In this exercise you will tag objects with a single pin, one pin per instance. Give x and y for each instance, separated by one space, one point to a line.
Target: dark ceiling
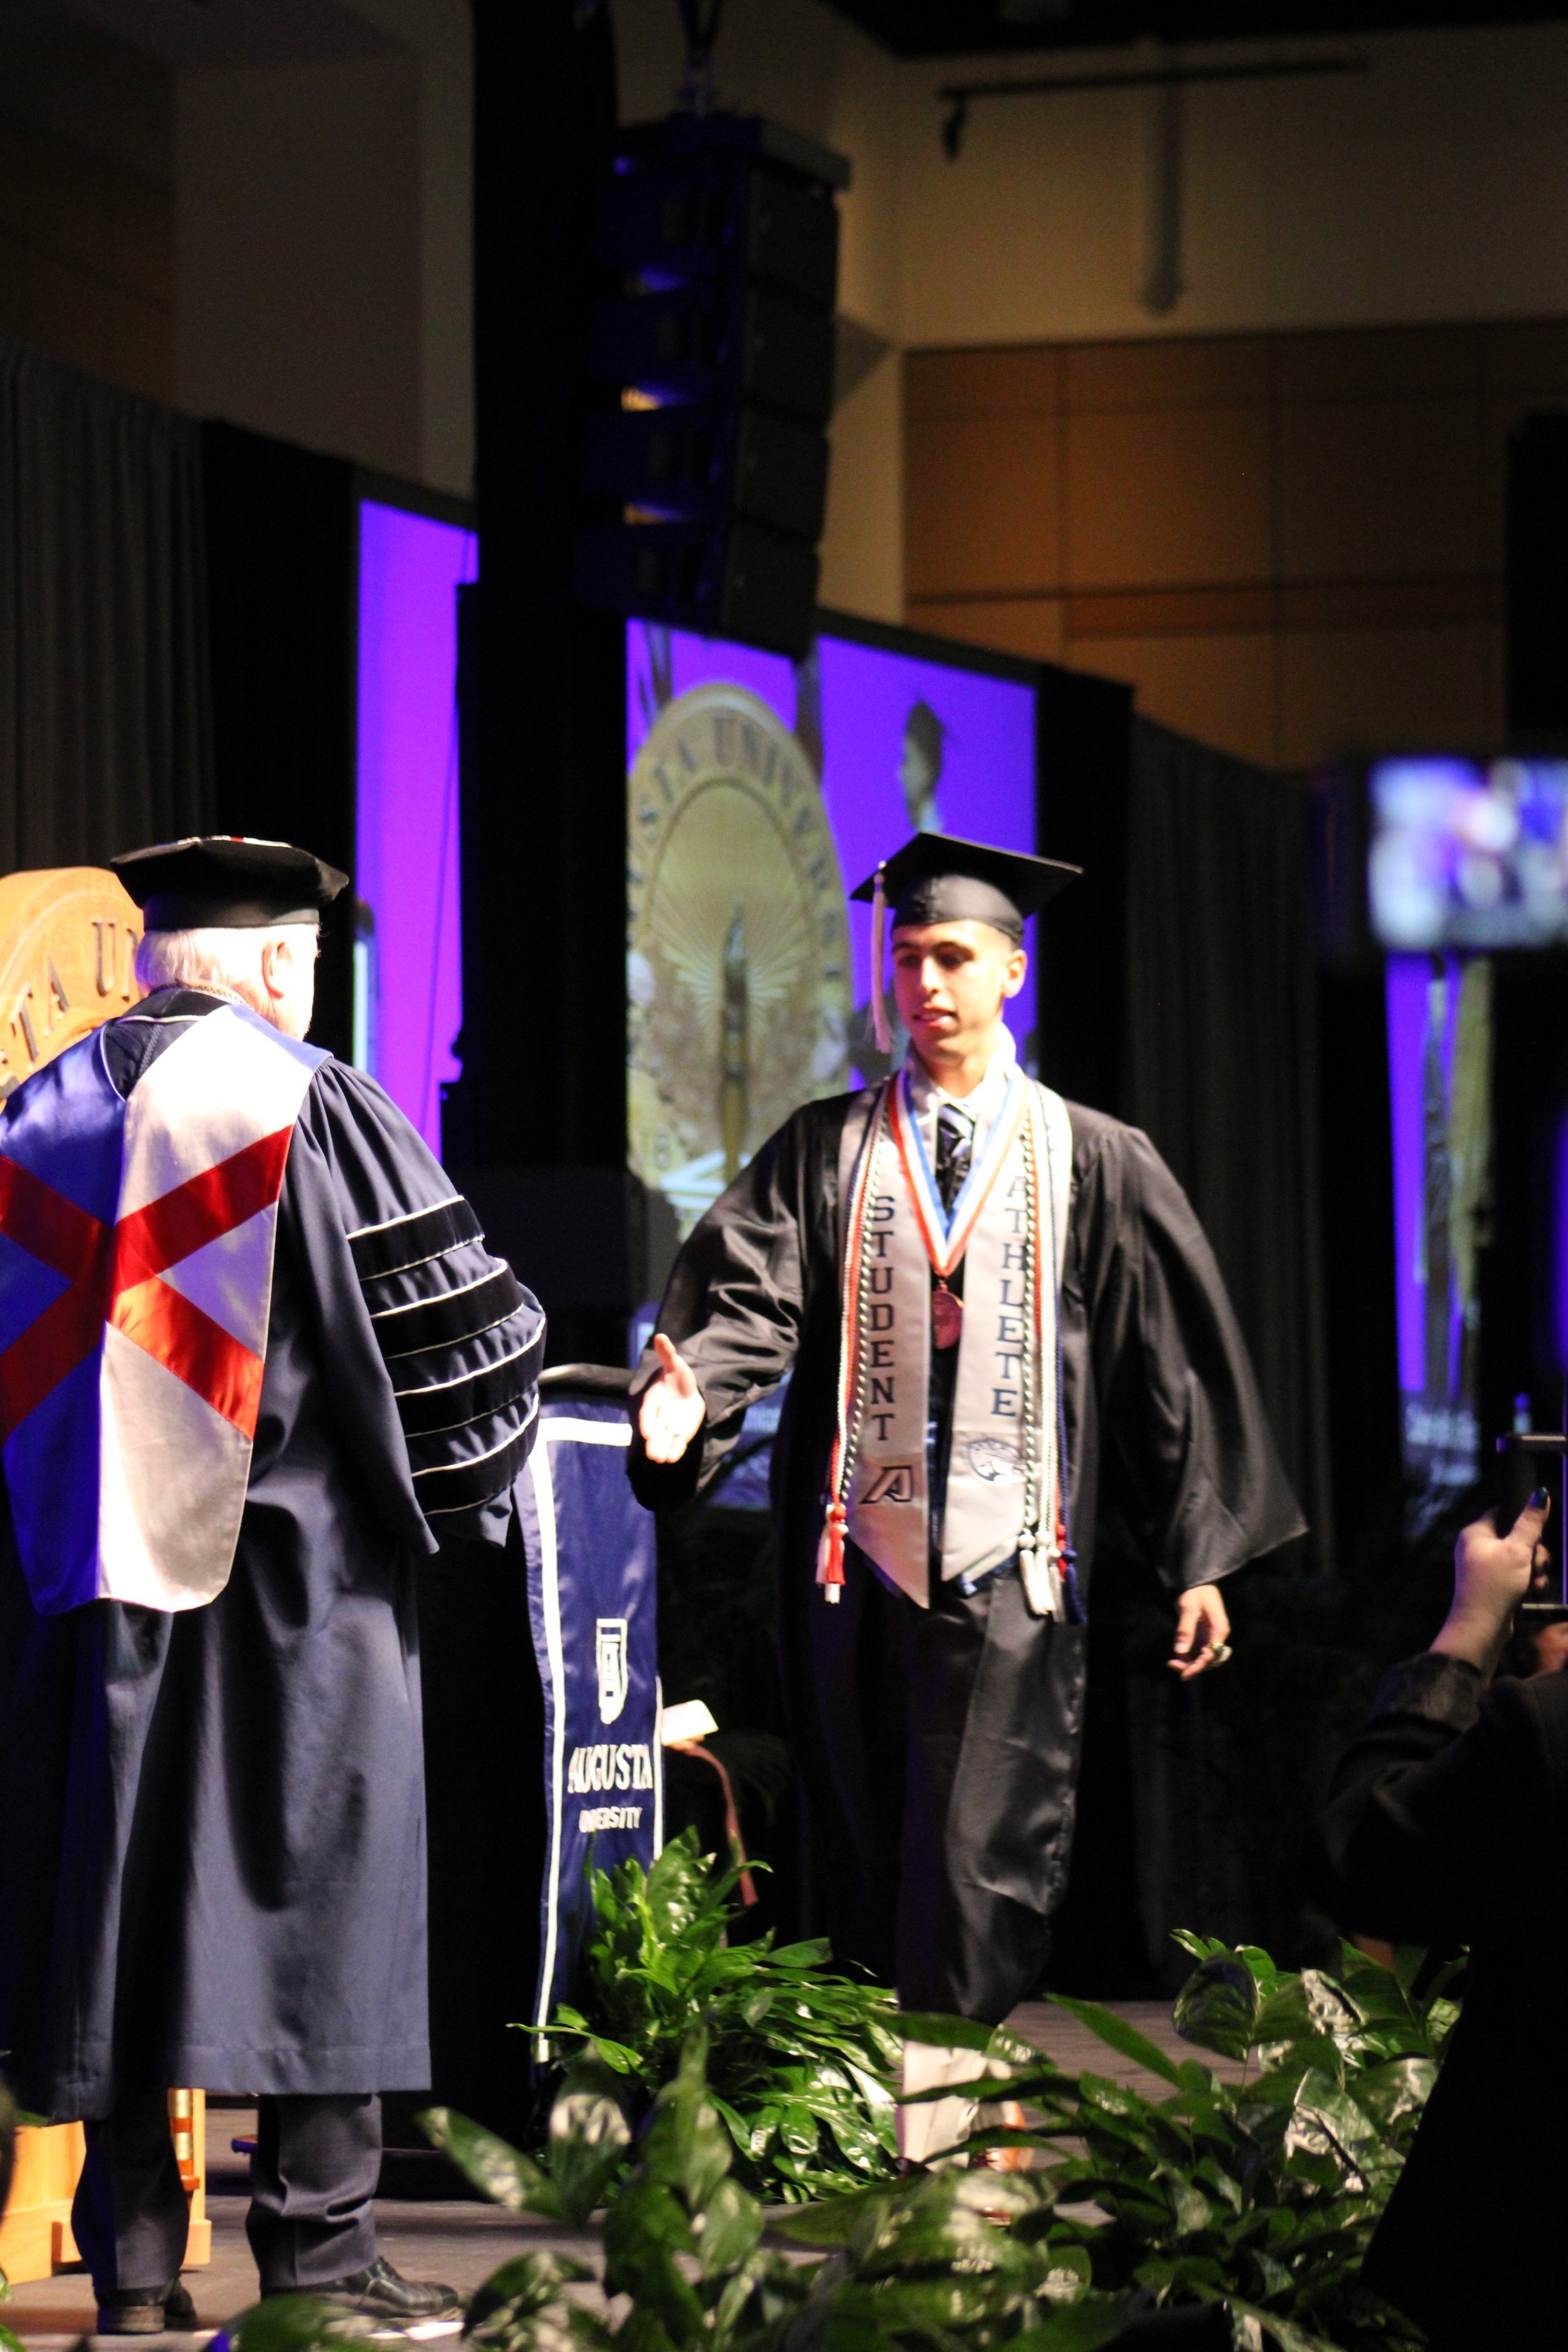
937 28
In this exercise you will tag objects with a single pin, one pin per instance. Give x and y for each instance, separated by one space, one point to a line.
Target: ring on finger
1219 1652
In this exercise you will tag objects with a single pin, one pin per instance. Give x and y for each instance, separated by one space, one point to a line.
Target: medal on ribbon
946 1317
945 1237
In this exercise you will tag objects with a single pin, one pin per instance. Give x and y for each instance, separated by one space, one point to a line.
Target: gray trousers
312 2186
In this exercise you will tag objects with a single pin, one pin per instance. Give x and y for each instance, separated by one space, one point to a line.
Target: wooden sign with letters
68 941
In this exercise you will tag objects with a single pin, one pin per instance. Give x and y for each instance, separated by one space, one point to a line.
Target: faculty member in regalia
981 1290
256 1362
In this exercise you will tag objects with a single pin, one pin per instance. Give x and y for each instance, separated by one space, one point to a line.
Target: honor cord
1066 1555
830 1551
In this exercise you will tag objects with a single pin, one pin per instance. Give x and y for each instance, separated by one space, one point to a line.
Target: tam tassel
880 1028
830 1551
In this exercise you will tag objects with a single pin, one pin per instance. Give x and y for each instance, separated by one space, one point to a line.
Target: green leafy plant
1261 2194
801 2058
1256 2195
924 2263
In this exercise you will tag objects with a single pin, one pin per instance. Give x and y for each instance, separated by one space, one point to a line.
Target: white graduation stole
1007 1225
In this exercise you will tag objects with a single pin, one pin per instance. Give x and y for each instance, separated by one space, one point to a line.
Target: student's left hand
1203 1633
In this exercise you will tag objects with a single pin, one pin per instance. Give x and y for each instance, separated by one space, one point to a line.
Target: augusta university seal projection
739 973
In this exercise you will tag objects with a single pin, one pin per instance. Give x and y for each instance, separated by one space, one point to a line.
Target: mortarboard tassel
830 1551
879 1029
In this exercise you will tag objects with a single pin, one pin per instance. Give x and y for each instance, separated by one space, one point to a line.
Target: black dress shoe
385 2294
147 2311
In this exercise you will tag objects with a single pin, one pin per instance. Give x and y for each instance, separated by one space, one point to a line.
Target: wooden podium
67 939
36 2235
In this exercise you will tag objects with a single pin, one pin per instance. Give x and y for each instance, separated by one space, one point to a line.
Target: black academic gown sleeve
1157 1369
738 1295
436 1345
1448 1823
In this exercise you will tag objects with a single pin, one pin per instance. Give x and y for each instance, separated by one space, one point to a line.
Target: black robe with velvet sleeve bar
939 1748
212 1821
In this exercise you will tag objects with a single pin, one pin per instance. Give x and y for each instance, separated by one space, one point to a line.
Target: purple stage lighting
408 1004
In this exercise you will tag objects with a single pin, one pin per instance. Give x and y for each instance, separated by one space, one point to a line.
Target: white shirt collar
983 1106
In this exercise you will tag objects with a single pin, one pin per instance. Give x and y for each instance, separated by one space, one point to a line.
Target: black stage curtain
105 735
176 636
282 565
1191 1802
1221 1067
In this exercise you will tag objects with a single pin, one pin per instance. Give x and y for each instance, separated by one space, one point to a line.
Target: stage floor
462 2243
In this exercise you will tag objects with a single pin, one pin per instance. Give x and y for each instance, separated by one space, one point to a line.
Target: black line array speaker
1537 568
711 357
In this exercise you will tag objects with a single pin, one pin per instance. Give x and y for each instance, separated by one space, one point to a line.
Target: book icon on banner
610 1647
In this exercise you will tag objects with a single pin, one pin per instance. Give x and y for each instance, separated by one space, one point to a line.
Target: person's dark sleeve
434 1348
1183 1419
1428 1804
733 1306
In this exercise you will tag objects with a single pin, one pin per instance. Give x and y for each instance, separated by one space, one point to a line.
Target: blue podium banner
592 1604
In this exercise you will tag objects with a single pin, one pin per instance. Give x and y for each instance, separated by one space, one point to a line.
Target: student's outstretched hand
1492 1577
672 1408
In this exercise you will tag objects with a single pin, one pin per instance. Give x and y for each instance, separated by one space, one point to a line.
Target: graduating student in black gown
212 1841
937 1732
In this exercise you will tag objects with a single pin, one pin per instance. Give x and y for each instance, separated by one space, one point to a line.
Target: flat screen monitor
1468 854
1439 1014
761 793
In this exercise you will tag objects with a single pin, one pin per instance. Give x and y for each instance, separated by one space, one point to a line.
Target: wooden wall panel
1290 545
1379 363
1380 488
1219 689
1211 371
1002 534
1209 519
1387 690
1012 381
1033 626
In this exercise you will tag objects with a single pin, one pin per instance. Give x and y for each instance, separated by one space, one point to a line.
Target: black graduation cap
935 878
226 882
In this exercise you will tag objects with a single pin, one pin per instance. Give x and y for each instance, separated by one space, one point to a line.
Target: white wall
1432 187
439 34
324 246
324 273
296 307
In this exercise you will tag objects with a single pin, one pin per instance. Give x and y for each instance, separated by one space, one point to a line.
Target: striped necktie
954 1147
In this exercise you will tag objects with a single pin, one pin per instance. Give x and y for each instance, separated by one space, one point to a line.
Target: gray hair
227 959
